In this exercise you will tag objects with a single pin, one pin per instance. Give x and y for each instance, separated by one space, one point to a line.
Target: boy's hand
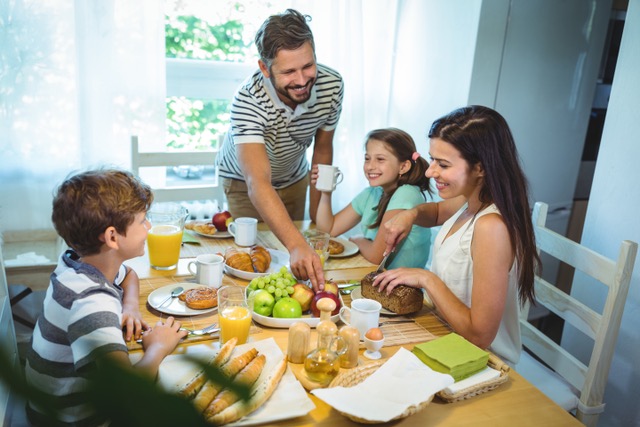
133 323
164 337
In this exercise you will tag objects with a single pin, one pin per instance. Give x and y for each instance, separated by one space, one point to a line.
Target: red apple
219 220
331 287
303 294
324 294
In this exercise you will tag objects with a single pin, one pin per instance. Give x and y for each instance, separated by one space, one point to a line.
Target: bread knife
382 263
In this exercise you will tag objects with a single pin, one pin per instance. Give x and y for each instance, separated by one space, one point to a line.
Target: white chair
9 347
569 382
207 191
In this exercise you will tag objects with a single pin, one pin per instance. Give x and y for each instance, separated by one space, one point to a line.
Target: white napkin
403 381
485 375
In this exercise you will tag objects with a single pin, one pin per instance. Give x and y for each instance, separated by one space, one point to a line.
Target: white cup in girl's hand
244 230
363 315
328 177
208 269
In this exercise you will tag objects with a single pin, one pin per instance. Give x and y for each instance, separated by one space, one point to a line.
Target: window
210 51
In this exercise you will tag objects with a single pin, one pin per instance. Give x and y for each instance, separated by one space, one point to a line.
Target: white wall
434 58
613 216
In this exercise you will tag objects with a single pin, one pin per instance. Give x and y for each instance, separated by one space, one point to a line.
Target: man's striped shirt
259 116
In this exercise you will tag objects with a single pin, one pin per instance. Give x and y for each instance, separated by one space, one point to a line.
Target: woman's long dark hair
482 135
403 147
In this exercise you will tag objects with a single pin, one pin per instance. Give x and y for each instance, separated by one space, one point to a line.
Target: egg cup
373 348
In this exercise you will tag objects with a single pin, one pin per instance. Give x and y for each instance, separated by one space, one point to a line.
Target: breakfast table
515 402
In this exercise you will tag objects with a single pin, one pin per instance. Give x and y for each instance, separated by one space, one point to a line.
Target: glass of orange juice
234 313
165 236
319 241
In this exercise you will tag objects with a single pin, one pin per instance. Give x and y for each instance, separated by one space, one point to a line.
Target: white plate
176 307
218 235
357 294
350 248
274 322
278 259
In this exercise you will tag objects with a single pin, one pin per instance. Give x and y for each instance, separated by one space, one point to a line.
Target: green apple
263 302
288 308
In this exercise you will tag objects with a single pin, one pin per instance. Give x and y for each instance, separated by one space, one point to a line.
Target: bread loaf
403 299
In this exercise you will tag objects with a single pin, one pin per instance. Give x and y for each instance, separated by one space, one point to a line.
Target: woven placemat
404 333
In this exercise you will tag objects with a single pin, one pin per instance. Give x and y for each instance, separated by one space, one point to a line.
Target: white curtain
77 78
357 38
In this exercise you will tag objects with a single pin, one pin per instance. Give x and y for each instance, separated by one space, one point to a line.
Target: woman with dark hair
484 256
397 181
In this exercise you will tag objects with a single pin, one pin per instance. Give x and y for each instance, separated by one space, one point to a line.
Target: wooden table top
517 402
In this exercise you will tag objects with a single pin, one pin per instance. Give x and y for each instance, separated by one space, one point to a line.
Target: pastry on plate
335 247
202 227
257 260
200 298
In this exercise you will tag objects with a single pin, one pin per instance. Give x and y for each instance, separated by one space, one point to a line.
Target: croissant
261 259
238 260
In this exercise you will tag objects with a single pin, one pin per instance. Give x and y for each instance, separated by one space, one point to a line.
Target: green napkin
452 355
190 239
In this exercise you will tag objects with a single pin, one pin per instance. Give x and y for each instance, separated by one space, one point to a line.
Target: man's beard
285 91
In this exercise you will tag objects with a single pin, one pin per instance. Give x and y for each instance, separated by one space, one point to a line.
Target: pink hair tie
415 156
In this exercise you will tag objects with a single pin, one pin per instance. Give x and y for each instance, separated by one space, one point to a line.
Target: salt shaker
351 337
298 344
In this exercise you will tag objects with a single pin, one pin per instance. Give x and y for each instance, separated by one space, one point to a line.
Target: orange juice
323 256
164 246
235 321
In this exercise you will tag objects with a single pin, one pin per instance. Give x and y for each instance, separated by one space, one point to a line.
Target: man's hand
397 228
305 264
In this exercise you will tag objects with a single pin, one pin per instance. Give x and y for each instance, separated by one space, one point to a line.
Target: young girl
396 173
484 256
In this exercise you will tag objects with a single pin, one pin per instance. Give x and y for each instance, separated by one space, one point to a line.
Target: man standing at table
291 103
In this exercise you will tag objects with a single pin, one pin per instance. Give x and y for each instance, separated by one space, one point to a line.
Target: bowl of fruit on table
279 300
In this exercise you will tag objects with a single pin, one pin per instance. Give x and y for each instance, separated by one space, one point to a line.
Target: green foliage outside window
196 124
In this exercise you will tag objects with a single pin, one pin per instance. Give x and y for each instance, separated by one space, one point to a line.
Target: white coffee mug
328 177
363 315
208 269
244 230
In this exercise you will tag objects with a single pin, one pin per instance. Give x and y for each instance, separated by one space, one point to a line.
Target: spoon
174 293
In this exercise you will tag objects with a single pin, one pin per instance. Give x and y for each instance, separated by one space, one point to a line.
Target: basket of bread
274 392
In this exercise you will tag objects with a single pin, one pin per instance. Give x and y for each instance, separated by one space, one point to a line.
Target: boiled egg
374 334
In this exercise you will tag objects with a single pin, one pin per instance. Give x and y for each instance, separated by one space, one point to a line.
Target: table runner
207 245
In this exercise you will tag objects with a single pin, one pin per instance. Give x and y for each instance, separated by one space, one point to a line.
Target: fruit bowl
275 322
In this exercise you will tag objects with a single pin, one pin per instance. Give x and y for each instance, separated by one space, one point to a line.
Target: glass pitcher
323 363
165 236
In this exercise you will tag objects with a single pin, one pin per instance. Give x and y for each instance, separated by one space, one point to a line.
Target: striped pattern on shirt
81 321
259 116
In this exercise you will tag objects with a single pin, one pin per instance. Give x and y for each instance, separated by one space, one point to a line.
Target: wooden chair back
207 191
590 380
